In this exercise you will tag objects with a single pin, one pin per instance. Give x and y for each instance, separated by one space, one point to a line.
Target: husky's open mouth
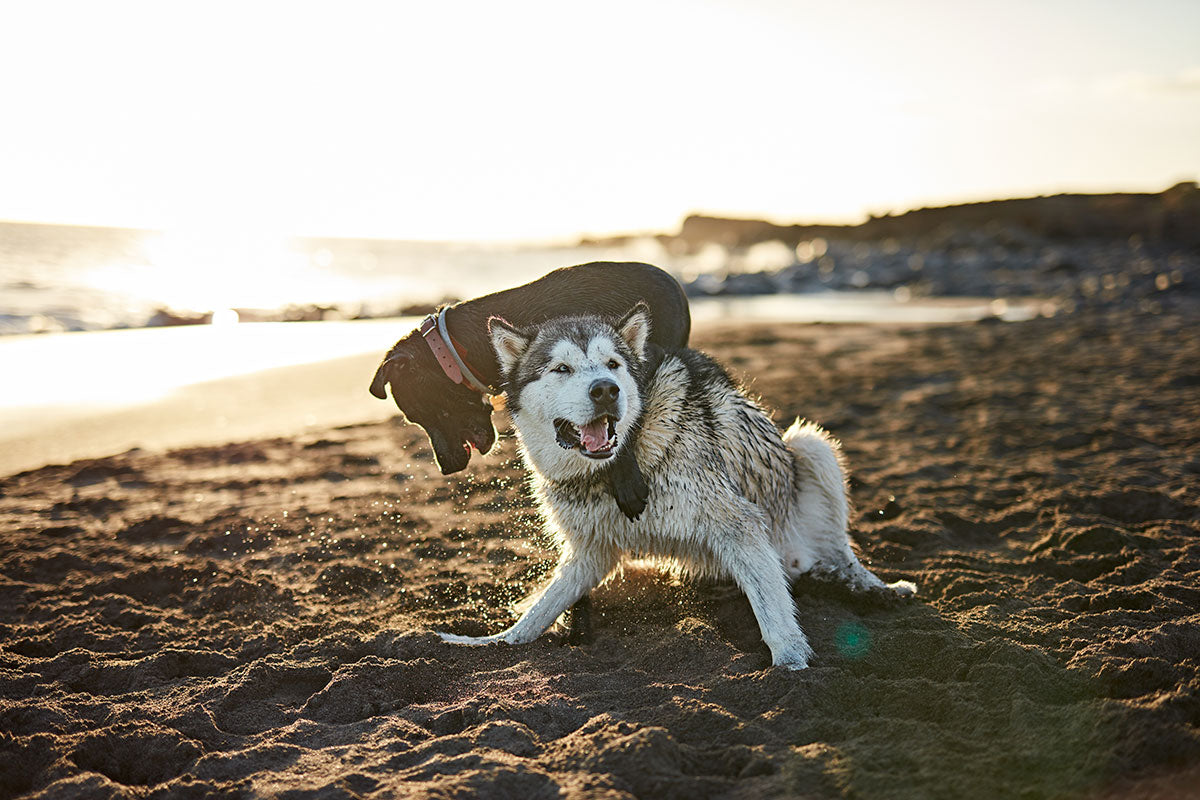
596 439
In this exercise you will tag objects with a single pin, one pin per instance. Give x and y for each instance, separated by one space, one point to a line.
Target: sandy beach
254 618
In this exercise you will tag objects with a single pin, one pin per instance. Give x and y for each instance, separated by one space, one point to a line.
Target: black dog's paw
578 635
579 622
632 494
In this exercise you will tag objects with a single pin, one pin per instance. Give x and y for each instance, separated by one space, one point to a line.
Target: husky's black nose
604 392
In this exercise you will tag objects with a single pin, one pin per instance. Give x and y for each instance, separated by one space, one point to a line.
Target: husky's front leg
751 560
577 574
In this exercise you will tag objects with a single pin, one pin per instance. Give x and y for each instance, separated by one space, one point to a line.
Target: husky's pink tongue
594 435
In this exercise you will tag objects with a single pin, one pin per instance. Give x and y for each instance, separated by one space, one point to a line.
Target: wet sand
254 618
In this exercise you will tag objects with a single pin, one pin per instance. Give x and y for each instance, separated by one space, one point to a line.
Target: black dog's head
455 417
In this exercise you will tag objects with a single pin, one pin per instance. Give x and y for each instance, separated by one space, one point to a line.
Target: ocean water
64 278
67 278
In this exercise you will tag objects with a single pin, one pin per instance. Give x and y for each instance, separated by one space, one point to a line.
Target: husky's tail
822 455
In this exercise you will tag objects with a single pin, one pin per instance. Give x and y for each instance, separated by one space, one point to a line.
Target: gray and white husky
728 495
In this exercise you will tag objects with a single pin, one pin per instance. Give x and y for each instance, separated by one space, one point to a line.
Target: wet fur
729 495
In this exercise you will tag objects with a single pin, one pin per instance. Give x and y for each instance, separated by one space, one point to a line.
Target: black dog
432 370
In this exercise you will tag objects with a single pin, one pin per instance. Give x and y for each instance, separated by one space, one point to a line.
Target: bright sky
501 120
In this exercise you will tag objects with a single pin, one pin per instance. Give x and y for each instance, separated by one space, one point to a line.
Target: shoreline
285 401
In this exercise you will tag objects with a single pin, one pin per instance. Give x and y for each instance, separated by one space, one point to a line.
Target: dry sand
254 619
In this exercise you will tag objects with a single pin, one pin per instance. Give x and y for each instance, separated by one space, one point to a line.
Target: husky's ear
634 328
508 342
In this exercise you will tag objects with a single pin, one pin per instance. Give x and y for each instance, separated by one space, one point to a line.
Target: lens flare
852 640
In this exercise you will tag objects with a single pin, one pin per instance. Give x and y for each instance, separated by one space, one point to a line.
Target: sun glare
216 268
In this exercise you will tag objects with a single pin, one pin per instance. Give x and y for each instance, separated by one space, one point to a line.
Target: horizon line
575 238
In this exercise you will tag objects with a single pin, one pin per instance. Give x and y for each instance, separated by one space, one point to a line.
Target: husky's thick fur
729 496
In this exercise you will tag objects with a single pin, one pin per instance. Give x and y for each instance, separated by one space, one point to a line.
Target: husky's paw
472 641
631 493
887 595
795 655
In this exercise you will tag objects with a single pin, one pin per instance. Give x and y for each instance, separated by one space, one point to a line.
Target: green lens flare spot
853 640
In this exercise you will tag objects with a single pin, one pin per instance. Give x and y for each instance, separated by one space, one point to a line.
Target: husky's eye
562 369
613 363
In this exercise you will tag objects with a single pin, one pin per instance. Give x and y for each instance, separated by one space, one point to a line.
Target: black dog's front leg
579 622
627 484
625 479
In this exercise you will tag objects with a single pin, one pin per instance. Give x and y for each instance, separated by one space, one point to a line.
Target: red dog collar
433 330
